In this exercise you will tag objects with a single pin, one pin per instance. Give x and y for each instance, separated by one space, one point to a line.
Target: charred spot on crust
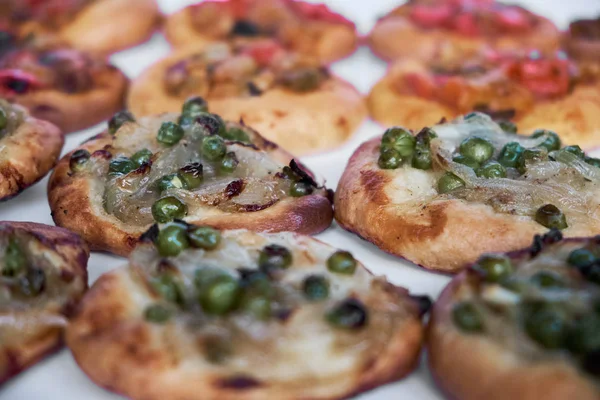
150 235
301 172
330 195
253 89
166 266
506 114
234 188
239 382
98 136
255 207
105 154
539 241
244 27
423 302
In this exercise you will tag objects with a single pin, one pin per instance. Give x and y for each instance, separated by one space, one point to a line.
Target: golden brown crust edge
30 153
315 121
443 235
104 353
425 45
73 112
75 253
470 367
108 26
69 200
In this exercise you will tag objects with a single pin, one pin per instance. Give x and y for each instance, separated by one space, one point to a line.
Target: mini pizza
290 99
29 148
522 325
243 315
582 41
534 90
97 26
191 166
43 276
72 89
429 29
310 29
462 188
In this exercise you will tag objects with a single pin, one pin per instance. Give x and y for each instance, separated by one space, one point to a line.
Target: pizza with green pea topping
192 166
522 325
289 98
29 148
244 315
42 277
442 197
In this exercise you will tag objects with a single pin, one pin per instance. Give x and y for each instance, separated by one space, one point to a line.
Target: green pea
15 260
214 148
574 150
300 189
194 106
466 316
171 181
449 182
191 175
141 157
315 287
476 148
592 161
491 170
172 240
551 217
551 143
170 133
168 288
204 237
210 124
168 208
425 136
157 314
422 157
507 126
494 267
341 262
546 326
117 121
584 335
78 159
3 119
186 121
510 154
33 283
121 166
229 163
475 116
236 134
581 258
256 282
389 159
400 140
257 306
204 276
349 314
531 156
274 257
469 162
221 295
548 280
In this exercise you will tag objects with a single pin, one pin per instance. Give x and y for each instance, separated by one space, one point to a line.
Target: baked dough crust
575 117
27 155
486 370
336 41
120 351
396 37
73 254
77 207
300 122
442 234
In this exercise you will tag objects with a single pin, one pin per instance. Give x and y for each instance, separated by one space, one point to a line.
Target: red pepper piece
544 77
432 16
263 52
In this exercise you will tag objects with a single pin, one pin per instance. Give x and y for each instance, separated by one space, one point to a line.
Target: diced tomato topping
319 12
544 77
15 81
420 84
432 16
466 24
263 52
513 19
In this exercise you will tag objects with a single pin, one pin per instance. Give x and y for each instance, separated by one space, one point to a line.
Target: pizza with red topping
582 40
311 29
292 99
98 26
428 29
534 90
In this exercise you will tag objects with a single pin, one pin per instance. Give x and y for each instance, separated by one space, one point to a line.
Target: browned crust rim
582 49
468 367
34 148
75 253
68 195
442 235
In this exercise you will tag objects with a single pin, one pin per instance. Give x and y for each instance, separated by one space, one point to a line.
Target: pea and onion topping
316 287
121 166
399 146
551 217
341 262
466 316
118 120
170 133
350 314
78 159
274 257
168 208
141 157
26 279
493 267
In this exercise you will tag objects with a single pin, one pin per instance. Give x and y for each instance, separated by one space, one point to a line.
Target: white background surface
58 377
